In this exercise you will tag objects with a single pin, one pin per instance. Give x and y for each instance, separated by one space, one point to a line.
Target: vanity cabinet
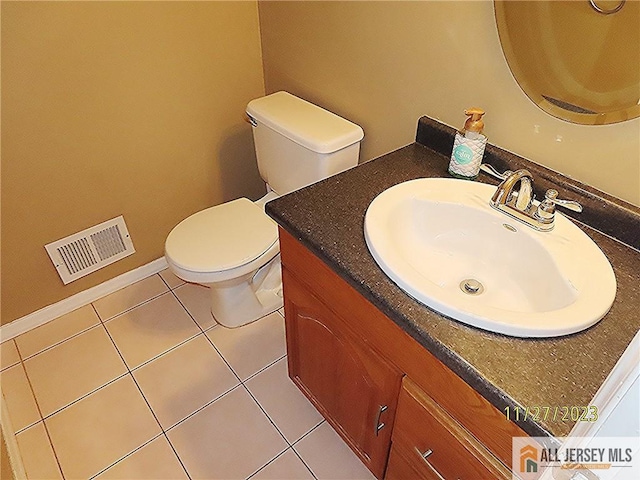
382 391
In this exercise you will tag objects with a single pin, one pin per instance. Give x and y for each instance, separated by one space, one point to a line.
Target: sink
440 241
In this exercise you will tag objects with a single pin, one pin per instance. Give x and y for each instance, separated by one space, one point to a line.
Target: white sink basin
440 241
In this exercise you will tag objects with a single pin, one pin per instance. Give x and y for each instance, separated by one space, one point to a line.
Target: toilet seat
221 238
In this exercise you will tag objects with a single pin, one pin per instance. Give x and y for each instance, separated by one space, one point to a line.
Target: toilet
233 248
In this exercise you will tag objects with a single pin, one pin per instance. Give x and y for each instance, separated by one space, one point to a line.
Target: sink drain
471 286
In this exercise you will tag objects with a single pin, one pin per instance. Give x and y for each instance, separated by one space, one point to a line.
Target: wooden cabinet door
354 387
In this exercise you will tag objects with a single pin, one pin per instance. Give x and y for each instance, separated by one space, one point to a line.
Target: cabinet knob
377 425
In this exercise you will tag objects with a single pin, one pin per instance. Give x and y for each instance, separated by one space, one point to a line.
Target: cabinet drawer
404 466
427 440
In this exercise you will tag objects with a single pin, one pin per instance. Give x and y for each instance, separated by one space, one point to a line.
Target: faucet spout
506 194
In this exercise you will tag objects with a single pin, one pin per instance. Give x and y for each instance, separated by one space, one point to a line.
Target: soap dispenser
468 146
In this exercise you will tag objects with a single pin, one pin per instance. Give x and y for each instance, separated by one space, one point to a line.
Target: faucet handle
487 168
547 207
552 196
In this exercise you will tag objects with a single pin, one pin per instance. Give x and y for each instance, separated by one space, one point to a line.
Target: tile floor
144 384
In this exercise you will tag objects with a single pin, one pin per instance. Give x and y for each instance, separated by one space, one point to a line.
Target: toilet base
243 300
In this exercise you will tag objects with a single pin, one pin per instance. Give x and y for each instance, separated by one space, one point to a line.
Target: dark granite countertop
328 218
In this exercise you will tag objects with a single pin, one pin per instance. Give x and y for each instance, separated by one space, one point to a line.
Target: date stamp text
575 413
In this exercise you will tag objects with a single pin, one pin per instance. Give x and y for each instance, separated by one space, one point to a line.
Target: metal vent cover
89 250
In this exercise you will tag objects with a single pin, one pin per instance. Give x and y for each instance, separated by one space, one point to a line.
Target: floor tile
287 466
252 347
102 428
231 438
19 399
170 279
183 380
55 331
8 354
329 457
197 300
151 329
287 407
38 458
129 297
155 461
73 369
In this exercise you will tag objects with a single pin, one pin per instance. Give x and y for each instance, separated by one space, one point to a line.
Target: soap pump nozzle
474 123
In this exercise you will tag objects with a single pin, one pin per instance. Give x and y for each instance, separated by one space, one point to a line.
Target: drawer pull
424 455
379 426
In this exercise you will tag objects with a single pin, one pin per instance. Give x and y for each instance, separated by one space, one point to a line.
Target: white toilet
233 248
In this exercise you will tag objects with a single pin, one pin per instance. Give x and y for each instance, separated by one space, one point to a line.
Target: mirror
578 60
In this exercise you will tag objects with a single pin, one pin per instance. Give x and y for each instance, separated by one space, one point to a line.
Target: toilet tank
298 143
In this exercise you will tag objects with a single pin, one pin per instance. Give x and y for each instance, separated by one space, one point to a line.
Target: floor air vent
84 252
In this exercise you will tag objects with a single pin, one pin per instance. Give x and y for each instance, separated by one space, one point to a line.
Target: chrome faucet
506 194
521 204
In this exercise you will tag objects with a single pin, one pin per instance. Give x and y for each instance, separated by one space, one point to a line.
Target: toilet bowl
233 248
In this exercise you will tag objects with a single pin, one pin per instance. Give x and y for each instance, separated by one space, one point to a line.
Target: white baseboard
46 314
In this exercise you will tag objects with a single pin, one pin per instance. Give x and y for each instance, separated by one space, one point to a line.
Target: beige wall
118 108
385 64
136 108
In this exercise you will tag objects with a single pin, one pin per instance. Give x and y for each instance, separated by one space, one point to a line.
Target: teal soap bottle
468 146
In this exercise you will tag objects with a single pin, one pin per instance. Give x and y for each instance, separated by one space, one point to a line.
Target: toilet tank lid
305 123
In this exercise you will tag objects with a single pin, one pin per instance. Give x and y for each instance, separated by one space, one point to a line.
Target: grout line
176 454
167 283
131 370
309 432
267 415
55 455
203 407
133 378
127 310
44 424
269 463
119 377
135 381
162 430
46 349
33 393
242 383
264 368
126 455
95 310
192 317
161 354
299 440
164 281
144 398
207 337
15 345
199 409
302 459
